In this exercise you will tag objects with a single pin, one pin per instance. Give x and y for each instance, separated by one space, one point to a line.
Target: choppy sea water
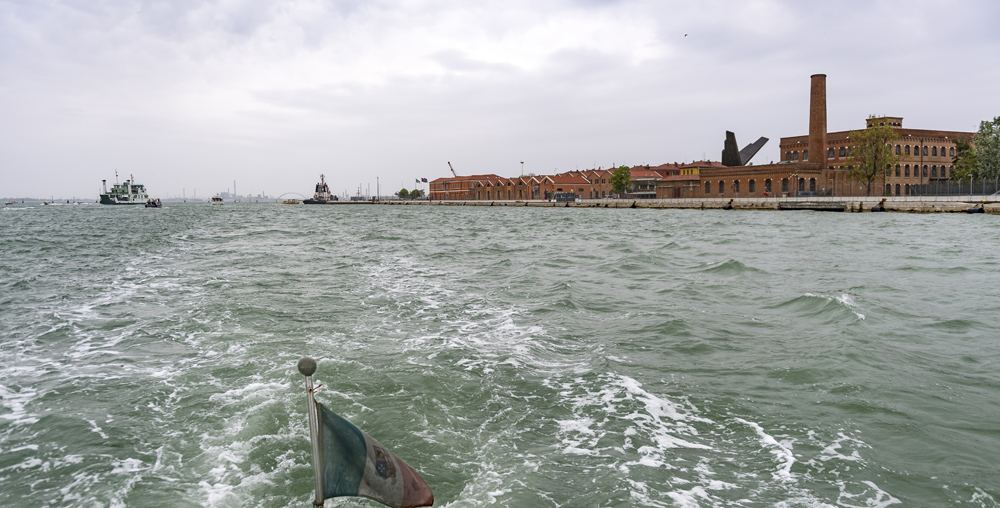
514 356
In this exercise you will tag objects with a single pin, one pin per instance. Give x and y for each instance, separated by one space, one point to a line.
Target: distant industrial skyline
376 94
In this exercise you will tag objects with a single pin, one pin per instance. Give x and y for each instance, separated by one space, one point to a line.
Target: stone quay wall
905 204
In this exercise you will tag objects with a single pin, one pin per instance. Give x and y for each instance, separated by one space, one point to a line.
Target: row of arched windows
927 151
734 186
918 171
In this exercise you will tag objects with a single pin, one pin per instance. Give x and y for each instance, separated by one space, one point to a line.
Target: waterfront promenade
908 204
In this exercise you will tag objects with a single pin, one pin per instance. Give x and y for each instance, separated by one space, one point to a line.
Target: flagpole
307 367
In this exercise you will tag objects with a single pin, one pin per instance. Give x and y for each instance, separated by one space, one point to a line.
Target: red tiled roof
569 178
489 177
643 173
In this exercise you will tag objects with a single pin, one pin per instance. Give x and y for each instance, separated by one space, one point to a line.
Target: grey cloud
458 61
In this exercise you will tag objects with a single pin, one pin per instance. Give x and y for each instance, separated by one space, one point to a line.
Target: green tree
871 154
620 178
964 162
403 194
416 194
987 143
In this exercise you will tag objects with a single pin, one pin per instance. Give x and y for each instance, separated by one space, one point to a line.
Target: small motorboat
154 203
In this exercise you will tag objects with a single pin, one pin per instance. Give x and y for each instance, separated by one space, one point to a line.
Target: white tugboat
128 193
322 195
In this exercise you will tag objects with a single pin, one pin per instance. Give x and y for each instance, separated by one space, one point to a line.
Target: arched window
906 170
767 185
812 184
752 186
888 188
897 189
805 155
829 153
736 187
708 188
802 184
843 151
925 150
784 185
897 170
951 152
907 150
795 156
898 149
722 187
925 168
934 151
933 171
906 189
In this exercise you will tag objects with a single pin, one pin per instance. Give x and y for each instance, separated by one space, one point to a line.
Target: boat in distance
322 195
154 203
216 199
127 193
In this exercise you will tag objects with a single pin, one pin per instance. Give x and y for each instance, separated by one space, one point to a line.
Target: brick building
925 155
817 162
814 164
460 187
681 180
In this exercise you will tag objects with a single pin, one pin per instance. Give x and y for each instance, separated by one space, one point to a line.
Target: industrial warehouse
813 165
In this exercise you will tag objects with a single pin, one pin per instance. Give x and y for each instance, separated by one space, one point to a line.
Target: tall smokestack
817 120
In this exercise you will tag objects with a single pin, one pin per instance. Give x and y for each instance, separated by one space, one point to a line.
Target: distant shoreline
855 204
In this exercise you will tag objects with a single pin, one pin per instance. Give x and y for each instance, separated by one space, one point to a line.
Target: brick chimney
817 120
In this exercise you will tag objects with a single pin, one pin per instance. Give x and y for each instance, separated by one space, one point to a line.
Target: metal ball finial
307 366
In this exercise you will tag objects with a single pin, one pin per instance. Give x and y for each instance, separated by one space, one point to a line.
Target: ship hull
106 199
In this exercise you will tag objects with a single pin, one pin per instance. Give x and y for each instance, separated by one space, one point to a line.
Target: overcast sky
190 96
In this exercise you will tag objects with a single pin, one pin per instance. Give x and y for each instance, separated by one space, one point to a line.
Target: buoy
976 209
633 205
880 207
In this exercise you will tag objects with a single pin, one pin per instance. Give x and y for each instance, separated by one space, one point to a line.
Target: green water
514 356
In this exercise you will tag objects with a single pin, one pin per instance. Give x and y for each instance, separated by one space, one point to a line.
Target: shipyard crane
452 170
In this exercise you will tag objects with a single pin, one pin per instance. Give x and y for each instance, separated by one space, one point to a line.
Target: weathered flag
354 464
